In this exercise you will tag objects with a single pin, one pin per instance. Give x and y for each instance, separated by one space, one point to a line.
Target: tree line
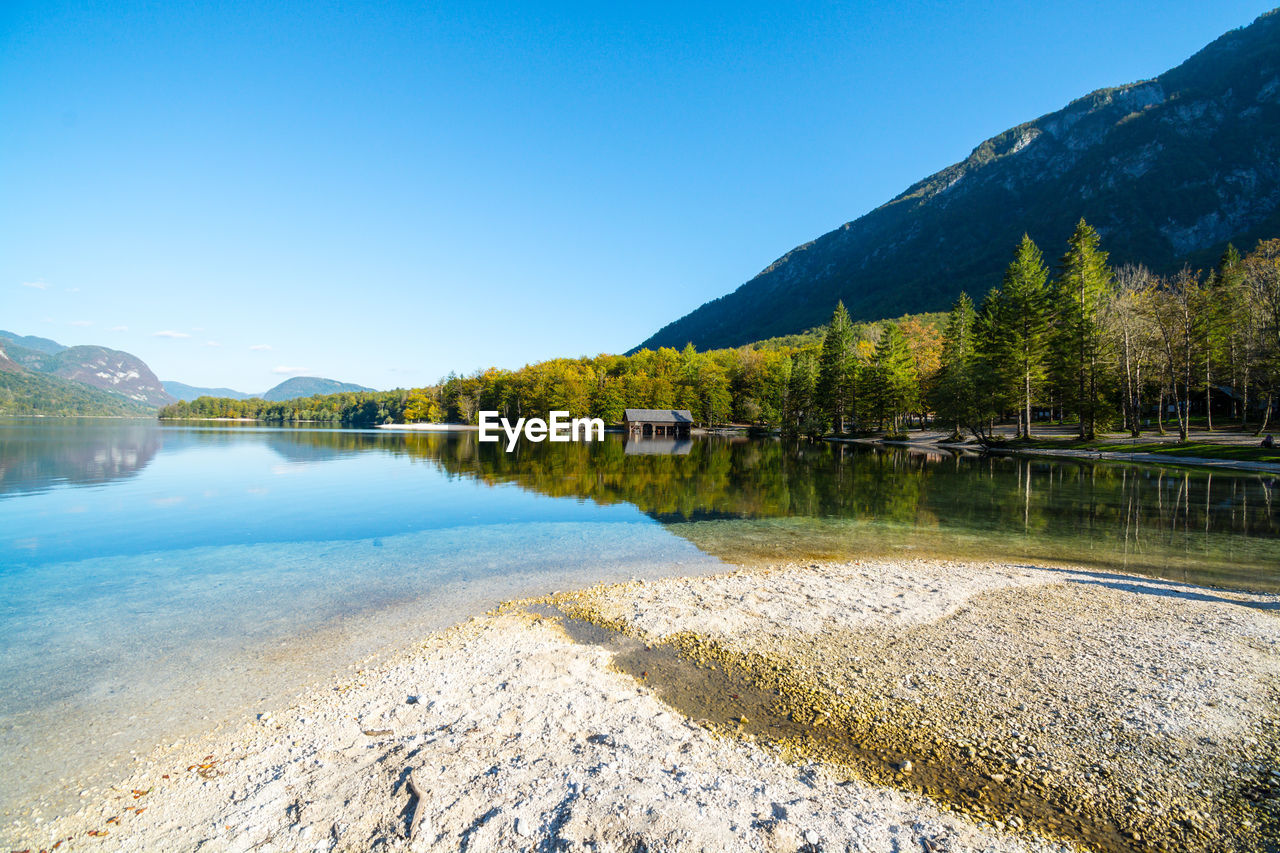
1107 347
348 408
1114 347
744 385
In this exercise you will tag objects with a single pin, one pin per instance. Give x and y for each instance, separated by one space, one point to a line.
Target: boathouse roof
658 416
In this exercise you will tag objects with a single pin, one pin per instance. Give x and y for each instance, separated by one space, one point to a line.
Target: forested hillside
25 393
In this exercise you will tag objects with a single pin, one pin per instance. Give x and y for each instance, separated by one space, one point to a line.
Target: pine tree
1208 334
1078 340
1026 302
802 414
1229 290
997 380
895 382
953 396
837 377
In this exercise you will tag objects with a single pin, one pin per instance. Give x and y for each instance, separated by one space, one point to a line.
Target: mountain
27 392
1167 170
183 391
308 386
31 342
119 373
111 370
40 376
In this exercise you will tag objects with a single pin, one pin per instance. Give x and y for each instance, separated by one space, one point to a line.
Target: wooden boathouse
668 423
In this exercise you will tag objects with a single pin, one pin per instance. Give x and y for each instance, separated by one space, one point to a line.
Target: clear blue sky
384 192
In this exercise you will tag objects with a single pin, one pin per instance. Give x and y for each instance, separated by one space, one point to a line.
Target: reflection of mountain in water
34 458
312 443
319 445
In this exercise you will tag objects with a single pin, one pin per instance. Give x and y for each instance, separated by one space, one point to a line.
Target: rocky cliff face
111 370
7 364
1168 170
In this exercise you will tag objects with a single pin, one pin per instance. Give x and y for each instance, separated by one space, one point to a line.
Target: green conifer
953 395
1078 341
837 377
1026 302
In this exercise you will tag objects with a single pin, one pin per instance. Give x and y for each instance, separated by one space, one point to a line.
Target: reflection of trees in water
847 496
1101 512
34 457
766 479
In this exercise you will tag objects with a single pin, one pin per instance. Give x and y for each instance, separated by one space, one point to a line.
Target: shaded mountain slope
1168 170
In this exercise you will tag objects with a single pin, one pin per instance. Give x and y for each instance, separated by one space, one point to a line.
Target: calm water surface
156 578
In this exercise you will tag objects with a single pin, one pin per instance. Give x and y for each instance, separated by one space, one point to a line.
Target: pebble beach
880 705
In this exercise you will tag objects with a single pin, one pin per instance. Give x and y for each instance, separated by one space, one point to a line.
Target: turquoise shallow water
157 578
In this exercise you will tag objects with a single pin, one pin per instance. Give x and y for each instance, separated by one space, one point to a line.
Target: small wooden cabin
647 423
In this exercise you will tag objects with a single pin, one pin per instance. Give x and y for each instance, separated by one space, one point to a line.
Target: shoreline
524 732
1143 459
1138 458
935 443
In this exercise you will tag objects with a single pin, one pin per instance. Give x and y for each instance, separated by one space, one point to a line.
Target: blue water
243 486
143 565
155 580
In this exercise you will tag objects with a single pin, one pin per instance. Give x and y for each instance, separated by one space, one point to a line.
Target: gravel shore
904 705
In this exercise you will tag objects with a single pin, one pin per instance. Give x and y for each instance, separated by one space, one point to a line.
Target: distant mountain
308 386
24 392
119 373
183 391
1168 171
43 345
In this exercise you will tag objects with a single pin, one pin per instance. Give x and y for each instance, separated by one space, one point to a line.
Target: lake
160 578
